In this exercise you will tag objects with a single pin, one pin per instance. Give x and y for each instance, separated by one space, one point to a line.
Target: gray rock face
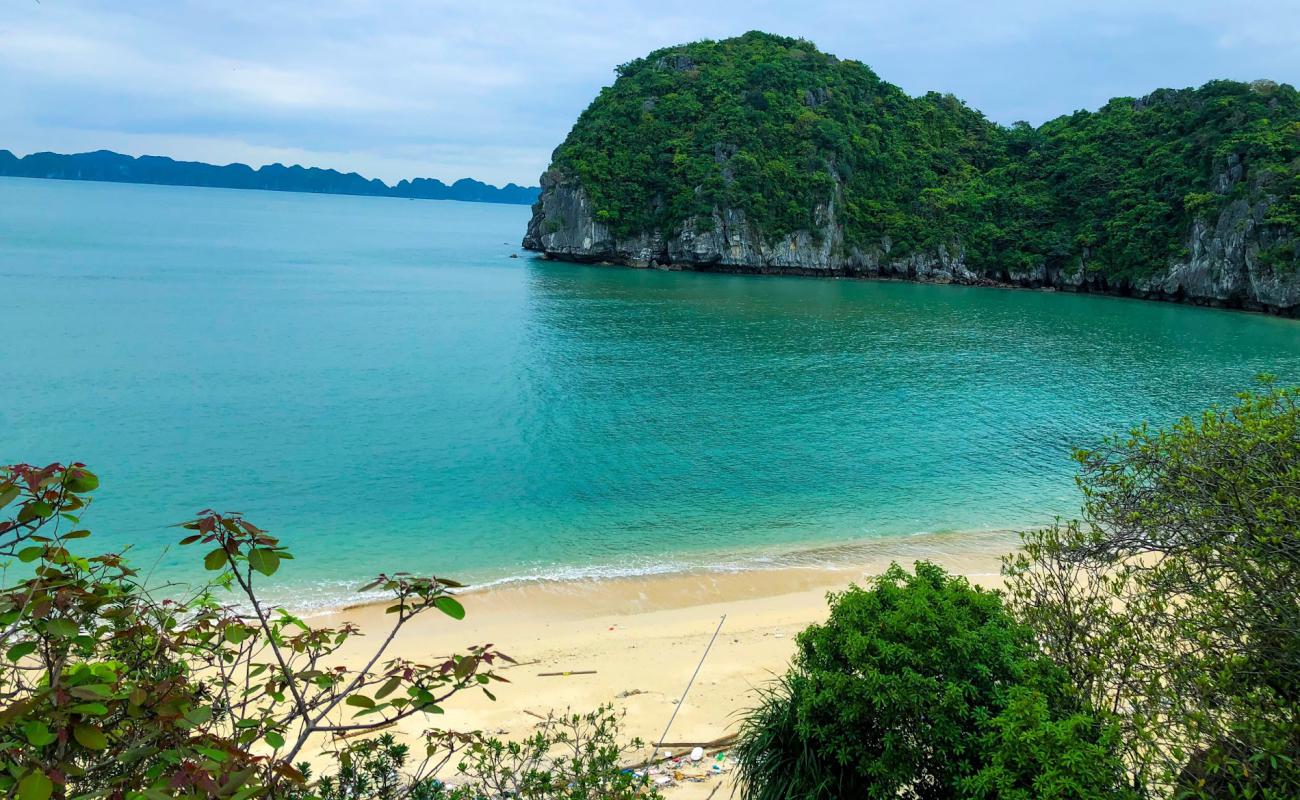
1223 266
563 226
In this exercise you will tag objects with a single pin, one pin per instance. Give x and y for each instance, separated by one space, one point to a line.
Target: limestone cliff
762 154
1223 265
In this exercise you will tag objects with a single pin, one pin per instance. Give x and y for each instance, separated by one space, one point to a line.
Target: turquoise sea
380 384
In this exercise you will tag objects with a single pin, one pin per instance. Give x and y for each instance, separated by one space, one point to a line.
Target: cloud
396 88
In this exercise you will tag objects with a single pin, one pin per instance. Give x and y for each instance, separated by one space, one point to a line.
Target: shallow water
377 382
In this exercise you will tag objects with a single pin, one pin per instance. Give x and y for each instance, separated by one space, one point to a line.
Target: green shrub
1035 752
776 761
113 691
569 756
922 686
370 769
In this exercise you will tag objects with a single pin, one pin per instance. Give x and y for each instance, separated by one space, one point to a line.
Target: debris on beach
692 767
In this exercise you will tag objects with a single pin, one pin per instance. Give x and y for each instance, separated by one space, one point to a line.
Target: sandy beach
638 640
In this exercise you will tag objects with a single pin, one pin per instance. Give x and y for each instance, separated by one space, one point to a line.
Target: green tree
1175 601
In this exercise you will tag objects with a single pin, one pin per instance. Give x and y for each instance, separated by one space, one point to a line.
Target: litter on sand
692 767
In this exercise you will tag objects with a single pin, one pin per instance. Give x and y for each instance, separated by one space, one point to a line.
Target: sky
399 88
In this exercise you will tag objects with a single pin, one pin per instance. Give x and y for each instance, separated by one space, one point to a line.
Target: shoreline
634 642
821 558
1085 286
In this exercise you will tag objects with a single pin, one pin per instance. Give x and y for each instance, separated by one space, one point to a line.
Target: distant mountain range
105 165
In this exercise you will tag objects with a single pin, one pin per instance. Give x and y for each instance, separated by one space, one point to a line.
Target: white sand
644 637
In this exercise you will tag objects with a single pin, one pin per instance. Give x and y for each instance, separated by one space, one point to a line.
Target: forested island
762 154
105 165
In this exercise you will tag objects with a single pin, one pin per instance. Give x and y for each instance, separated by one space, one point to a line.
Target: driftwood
368 731
566 673
724 741
708 747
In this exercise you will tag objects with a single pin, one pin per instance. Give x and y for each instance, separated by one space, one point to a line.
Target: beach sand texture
638 640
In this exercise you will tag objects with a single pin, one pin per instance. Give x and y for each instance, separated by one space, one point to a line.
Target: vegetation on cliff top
770 125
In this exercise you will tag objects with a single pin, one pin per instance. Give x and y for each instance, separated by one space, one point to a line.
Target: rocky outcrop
1225 264
563 226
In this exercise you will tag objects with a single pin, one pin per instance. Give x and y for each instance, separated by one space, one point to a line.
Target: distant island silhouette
105 165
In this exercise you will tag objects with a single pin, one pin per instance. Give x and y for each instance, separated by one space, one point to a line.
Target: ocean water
377 382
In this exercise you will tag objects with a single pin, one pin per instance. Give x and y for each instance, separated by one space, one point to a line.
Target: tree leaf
35 786
93 691
360 701
214 754
465 667
274 739
81 480
38 734
63 628
264 560
7 495
216 559
20 650
388 687
37 509
198 715
91 709
449 606
90 737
